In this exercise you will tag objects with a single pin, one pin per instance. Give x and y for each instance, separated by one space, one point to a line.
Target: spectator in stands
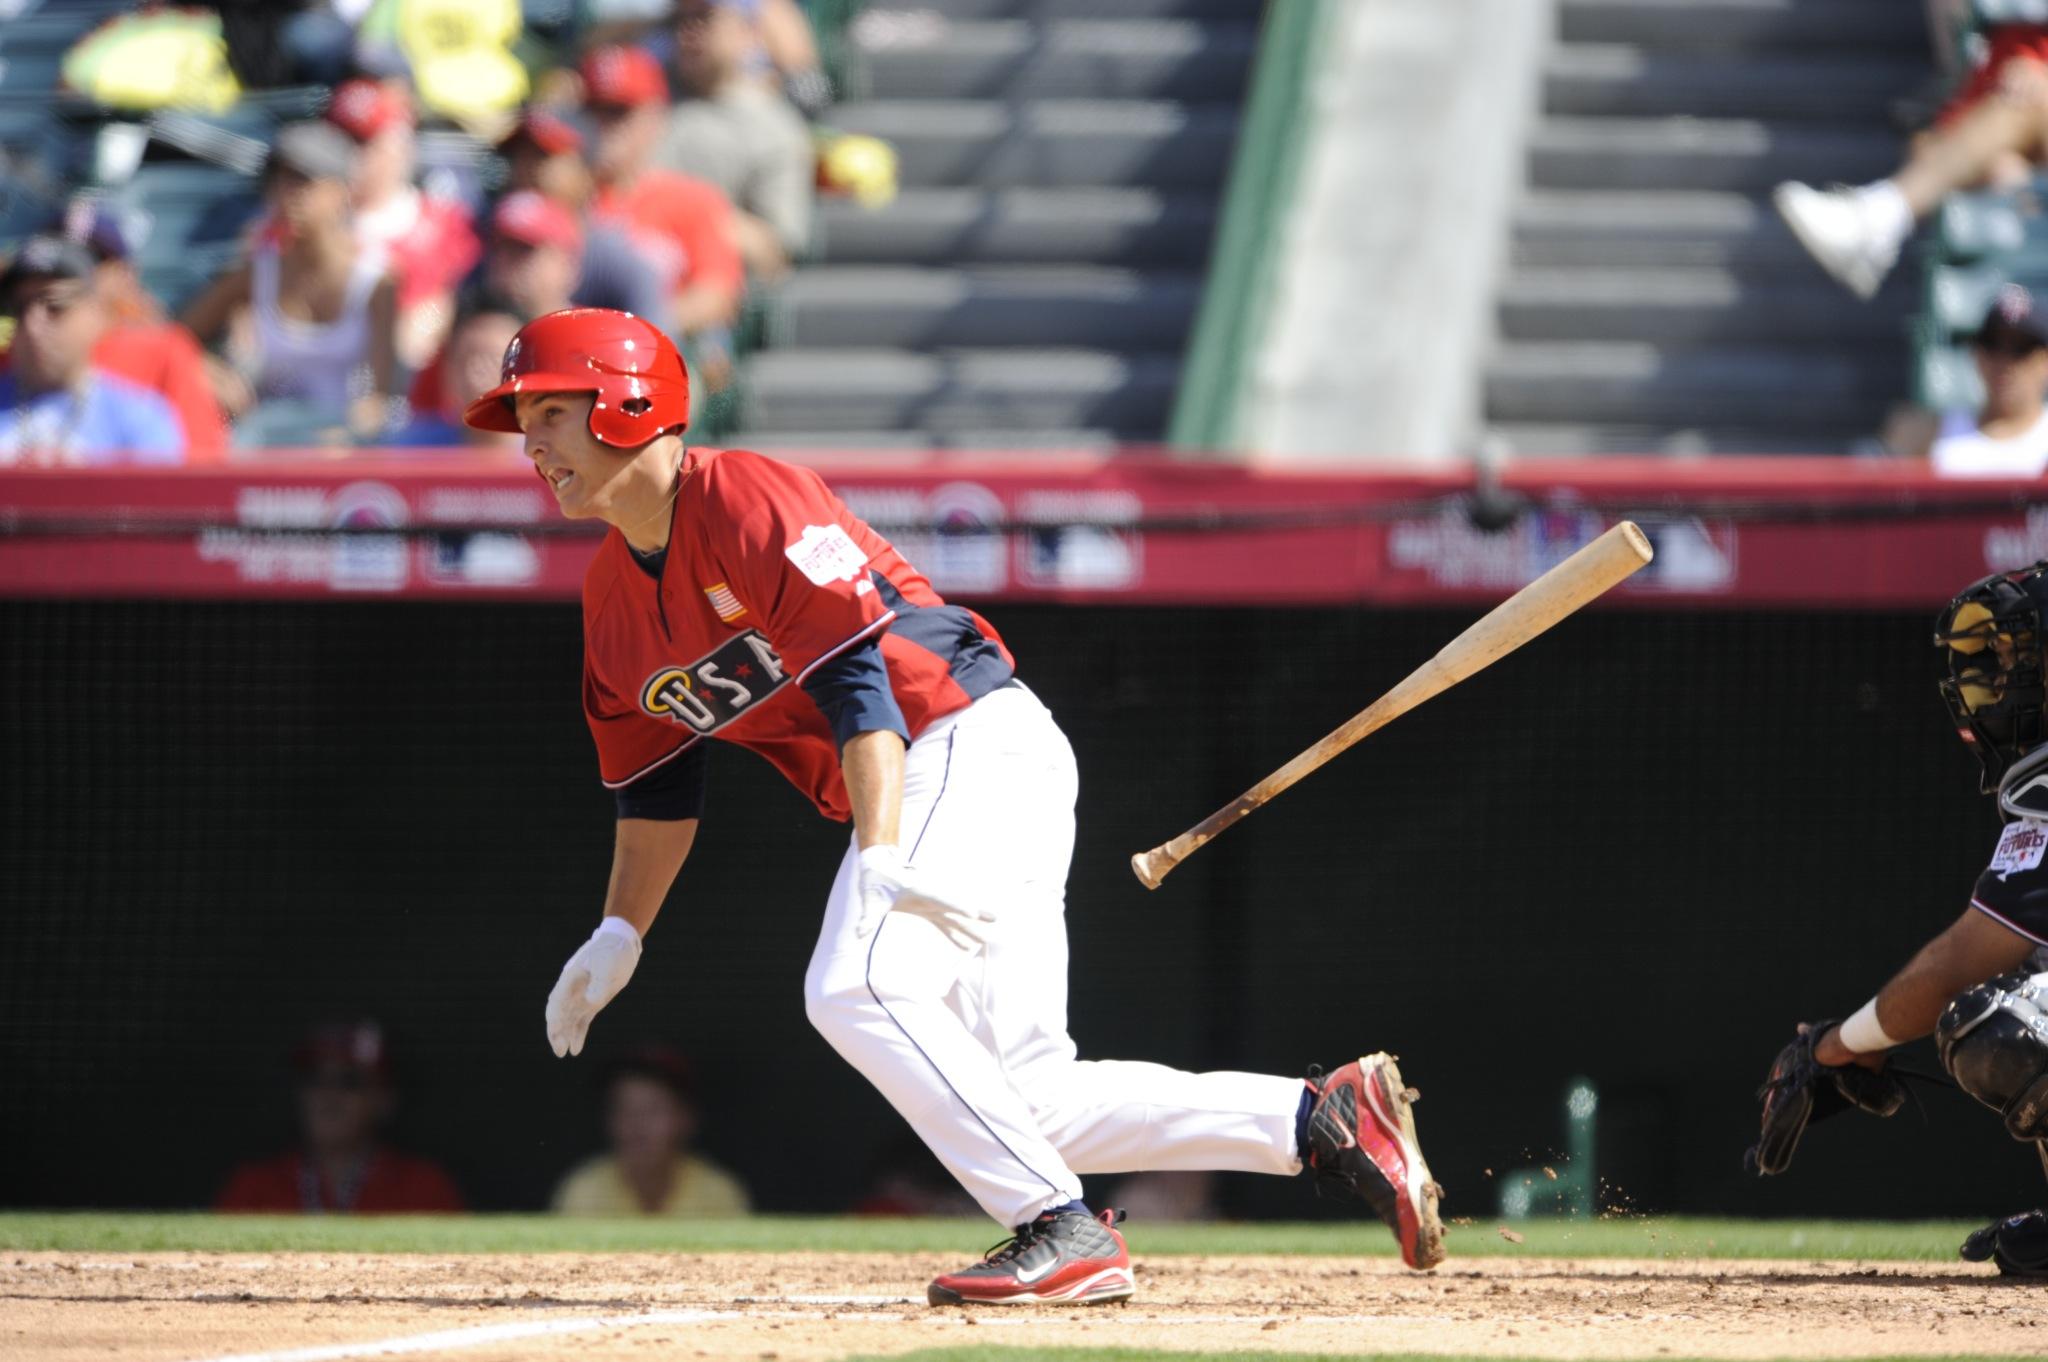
56 405
738 132
342 1164
651 1121
1991 131
468 365
683 225
427 239
547 152
138 344
791 51
322 307
2008 436
142 344
535 254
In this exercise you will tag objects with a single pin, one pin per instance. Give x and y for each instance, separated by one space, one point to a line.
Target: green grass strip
97 1232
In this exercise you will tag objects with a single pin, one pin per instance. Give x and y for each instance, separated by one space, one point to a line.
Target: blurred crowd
1989 134
651 1111
659 159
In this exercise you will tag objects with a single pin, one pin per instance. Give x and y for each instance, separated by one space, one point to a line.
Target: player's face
566 455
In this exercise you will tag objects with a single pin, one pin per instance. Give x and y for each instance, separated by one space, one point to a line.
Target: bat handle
1152 866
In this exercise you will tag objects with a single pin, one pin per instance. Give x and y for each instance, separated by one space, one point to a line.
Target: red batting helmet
634 372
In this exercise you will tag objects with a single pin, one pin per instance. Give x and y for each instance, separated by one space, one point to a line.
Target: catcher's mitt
2018 1244
1801 1089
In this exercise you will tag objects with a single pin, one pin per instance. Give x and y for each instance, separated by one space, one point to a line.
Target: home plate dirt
168 1307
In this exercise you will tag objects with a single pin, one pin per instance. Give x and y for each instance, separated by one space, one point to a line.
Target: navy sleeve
670 792
852 690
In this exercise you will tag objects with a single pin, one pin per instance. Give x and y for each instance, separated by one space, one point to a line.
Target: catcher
1981 986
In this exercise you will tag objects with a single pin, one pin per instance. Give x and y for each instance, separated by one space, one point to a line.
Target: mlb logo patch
724 602
2020 847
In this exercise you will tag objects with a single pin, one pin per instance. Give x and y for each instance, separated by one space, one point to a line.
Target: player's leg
1011 810
882 1003
888 1004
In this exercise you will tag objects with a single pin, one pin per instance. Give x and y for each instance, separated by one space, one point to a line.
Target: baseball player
737 599
1981 986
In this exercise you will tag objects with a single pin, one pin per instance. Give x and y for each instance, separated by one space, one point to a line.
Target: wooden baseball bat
1587 574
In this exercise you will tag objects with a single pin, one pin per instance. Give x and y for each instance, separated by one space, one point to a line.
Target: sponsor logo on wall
273 540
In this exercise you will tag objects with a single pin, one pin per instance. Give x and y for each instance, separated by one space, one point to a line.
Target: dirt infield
68 1307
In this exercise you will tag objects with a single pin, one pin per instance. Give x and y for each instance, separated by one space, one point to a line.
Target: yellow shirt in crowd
700 1188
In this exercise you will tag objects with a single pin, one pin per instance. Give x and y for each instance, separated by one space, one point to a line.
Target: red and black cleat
1361 1137
1061 1259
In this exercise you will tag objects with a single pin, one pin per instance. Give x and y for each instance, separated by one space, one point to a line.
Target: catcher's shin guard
1361 1142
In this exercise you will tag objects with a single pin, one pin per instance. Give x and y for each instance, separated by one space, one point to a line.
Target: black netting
1639 849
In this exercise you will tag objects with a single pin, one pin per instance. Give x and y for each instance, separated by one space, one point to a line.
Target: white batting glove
592 978
888 883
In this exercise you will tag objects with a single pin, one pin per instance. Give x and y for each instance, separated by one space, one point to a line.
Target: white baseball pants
972 1047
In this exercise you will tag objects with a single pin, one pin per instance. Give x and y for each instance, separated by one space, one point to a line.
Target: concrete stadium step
1104 226
1068 58
1676 228
1623 383
1051 142
1696 153
1045 306
1247 11
1048 441
1613 80
1537 440
1750 25
1699 306
957 390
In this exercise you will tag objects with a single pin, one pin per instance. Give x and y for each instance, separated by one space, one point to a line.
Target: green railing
1236 301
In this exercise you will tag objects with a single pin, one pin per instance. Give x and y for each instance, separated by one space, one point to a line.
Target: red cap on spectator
625 76
354 1046
364 108
537 220
546 129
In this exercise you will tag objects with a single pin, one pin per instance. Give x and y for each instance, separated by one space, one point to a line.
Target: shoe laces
1017 1244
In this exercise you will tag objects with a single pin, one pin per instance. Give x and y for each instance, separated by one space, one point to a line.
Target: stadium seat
1973 226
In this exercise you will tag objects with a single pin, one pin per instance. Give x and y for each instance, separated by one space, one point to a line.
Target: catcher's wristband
1862 1034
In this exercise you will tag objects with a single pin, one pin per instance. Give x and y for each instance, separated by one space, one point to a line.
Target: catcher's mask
1995 689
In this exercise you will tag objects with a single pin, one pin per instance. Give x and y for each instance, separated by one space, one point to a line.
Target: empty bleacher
1655 302
1034 281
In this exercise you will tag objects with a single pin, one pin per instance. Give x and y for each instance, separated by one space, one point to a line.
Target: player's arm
872 763
647 853
657 824
1975 947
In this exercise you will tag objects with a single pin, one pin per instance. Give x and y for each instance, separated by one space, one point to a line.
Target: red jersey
767 578
683 226
391 1184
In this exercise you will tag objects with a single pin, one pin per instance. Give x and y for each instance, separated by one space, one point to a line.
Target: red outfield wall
1748 532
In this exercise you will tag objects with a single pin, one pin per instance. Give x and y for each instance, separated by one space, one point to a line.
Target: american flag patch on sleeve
724 602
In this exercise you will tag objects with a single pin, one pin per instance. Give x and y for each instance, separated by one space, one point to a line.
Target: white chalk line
478 1335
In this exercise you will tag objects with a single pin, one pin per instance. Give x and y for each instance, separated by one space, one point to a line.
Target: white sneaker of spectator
1855 234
